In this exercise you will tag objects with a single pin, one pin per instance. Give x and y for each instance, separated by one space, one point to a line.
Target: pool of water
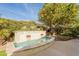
32 42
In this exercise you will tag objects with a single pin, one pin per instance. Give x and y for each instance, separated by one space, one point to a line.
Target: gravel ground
58 48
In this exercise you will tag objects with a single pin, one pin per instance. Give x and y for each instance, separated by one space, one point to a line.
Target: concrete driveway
58 48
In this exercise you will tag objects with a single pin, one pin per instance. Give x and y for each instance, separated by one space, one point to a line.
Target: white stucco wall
21 36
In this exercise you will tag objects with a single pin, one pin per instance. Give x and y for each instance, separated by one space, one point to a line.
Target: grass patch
2 53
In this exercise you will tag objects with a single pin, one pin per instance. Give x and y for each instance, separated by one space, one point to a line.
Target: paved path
59 48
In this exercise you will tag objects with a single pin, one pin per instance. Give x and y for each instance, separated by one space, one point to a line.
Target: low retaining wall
11 47
36 45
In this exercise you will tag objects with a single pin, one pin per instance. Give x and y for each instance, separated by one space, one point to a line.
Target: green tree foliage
72 31
58 15
7 26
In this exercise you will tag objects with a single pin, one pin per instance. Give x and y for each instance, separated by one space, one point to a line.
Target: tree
58 14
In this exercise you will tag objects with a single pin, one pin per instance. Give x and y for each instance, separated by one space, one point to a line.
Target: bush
73 31
4 33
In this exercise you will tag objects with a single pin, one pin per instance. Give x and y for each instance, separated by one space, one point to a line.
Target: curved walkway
59 48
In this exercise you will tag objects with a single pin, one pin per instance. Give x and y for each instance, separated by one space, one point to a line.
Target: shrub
73 31
4 33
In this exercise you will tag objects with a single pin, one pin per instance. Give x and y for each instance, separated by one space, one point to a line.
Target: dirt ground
1 47
58 48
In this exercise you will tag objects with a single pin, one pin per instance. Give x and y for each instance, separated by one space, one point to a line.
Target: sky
20 11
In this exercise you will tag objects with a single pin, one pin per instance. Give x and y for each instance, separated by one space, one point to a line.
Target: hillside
7 26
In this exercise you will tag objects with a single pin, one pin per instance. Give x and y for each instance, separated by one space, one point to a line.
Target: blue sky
19 11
